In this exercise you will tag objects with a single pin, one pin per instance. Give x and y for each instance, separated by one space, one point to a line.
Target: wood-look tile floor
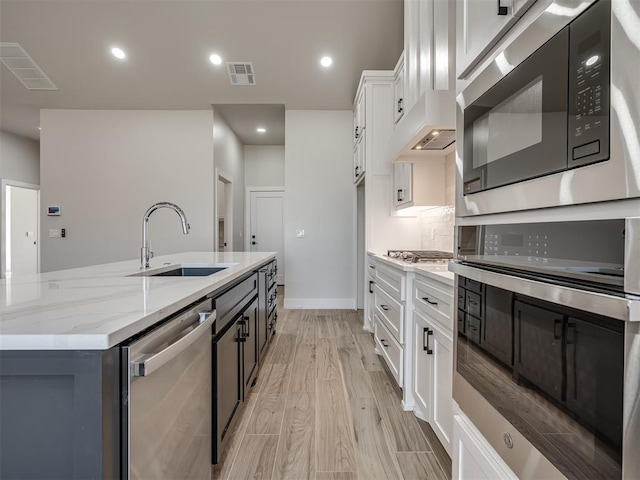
325 408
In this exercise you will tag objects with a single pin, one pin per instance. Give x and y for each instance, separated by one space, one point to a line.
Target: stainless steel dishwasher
167 398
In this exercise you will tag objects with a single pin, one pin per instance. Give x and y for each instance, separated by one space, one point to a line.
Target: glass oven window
556 374
509 127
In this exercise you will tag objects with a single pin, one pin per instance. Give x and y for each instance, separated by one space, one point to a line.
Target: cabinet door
398 94
249 324
595 374
441 411
422 365
371 301
228 383
359 158
480 25
538 348
401 183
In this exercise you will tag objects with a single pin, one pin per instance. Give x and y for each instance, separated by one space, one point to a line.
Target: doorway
223 224
266 224
20 253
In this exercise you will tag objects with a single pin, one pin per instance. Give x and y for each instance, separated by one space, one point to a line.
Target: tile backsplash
437 223
437 228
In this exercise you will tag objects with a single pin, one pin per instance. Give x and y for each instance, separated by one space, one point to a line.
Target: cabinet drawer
391 350
230 303
473 329
390 312
433 300
392 281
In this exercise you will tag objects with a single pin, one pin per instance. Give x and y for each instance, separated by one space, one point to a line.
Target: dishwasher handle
154 362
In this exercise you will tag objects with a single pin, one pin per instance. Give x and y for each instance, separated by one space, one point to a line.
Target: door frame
228 214
3 219
247 213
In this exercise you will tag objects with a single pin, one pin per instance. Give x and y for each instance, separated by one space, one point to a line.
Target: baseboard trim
320 303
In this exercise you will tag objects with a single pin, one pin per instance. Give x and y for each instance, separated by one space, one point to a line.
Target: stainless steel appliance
167 398
553 119
548 331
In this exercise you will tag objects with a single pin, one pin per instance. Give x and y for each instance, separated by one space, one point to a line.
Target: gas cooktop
420 256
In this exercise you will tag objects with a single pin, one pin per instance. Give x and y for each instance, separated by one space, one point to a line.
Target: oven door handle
152 363
626 308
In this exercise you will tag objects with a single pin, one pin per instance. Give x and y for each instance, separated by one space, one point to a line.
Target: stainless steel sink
185 270
189 272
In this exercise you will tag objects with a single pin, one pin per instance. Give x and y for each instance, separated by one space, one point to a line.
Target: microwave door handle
154 362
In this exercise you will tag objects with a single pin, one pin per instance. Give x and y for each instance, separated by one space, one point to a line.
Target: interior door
266 217
22 231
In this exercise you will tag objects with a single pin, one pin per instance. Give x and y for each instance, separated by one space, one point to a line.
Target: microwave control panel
589 79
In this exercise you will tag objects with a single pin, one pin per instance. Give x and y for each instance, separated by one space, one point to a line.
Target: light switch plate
55 233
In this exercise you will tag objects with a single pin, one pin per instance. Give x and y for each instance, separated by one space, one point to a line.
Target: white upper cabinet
480 26
398 90
419 184
359 116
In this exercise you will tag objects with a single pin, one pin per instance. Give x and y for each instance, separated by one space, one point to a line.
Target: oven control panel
589 80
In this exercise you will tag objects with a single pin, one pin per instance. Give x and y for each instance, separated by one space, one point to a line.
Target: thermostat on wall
53 211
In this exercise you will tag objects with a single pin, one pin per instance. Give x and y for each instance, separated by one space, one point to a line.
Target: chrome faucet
145 253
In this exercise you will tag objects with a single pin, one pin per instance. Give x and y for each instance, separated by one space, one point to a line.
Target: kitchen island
63 387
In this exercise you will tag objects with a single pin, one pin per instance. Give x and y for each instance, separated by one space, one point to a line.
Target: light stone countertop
97 307
439 272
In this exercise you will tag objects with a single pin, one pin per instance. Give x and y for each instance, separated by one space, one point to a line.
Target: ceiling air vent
436 140
241 73
22 66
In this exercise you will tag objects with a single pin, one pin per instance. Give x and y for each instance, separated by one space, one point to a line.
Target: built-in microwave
547 342
553 119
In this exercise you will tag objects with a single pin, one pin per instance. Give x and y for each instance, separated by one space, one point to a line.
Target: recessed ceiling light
261 130
118 53
326 61
215 59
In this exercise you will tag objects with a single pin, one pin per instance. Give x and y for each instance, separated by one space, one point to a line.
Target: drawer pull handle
426 299
371 284
425 343
384 307
384 344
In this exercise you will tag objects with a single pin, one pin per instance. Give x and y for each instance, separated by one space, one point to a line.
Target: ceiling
245 119
168 43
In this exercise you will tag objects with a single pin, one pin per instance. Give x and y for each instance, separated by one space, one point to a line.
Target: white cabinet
389 317
432 368
359 116
398 90
359 158
370 304
419 184
480 26
473 458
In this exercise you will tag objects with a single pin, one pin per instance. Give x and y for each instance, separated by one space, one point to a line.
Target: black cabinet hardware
502 10
371 284
384 344
357 132
384 307
400 103
426 299
425 344
400 194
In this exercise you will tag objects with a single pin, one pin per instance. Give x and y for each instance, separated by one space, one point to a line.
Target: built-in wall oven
548 344
553 119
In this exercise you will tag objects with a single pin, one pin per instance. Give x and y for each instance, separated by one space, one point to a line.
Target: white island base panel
97 307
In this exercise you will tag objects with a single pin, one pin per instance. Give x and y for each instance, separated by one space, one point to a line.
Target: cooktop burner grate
415 256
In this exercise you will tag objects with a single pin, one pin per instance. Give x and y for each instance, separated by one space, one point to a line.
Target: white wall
319 198
228 154
19 158
264 166
106 167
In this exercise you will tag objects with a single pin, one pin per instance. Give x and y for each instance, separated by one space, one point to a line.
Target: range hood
428 129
